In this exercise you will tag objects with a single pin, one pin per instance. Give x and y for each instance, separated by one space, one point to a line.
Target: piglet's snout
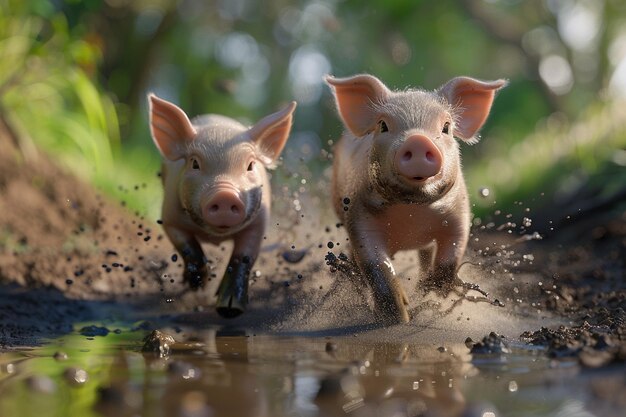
418 158
224 209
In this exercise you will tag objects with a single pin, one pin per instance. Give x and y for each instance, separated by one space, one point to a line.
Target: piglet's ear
354 96
471 100
271 133
170 128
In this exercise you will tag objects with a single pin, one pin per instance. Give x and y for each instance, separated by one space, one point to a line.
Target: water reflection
226 373
230 372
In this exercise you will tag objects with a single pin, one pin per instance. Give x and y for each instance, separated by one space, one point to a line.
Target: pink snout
418 158
224 209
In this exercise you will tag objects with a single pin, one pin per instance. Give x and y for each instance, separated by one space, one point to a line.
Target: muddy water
228 372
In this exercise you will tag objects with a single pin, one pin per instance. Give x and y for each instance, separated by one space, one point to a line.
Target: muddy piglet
216 188
397 180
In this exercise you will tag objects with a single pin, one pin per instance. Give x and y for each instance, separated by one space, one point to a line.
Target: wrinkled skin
215 189
398 168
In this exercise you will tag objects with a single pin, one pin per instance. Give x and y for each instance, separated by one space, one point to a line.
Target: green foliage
49 98
558 159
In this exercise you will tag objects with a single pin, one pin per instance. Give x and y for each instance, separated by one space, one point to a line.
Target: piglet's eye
195 164
446 128
383 126
251 166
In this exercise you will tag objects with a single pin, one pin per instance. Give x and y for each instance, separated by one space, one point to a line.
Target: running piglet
397 179
216 188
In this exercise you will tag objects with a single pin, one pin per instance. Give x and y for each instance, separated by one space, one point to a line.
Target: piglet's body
397 180
215 189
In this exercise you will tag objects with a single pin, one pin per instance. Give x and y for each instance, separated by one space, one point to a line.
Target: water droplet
444 223
484 192
76 376
512 386
416 385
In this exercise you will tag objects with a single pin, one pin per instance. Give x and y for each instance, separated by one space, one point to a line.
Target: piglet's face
413 155
222 165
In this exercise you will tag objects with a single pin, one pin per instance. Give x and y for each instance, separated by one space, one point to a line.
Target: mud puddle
226 372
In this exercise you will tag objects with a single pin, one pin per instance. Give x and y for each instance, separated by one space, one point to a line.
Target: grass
51 102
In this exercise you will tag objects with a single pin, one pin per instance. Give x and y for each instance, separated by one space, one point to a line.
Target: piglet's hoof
229 307
232 294
389 297
393 313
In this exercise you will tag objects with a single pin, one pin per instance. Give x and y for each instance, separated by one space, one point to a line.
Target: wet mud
85 279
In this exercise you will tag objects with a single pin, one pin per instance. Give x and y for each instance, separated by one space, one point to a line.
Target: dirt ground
69 254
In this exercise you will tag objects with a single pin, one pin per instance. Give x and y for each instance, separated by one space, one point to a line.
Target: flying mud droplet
294 256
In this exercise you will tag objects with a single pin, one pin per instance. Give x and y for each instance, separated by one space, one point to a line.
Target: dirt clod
491 344
159 343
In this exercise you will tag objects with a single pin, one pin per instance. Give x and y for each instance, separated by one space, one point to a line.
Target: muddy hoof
229 312
393 313
229 307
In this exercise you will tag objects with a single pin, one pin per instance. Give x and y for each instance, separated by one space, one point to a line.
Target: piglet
397 180
216 188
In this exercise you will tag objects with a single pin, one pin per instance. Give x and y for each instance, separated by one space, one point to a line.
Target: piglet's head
413 155
220 164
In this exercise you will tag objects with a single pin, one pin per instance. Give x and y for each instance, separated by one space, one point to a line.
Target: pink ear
170 127
354 96
271 133
471 100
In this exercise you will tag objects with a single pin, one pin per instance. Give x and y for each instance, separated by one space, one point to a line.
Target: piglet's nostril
429 156
214 208
407 156
234 209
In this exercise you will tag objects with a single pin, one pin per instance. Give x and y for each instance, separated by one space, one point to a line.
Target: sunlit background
74 76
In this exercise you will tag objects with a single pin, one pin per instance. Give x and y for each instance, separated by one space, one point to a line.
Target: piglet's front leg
371 256
232 293
195 273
